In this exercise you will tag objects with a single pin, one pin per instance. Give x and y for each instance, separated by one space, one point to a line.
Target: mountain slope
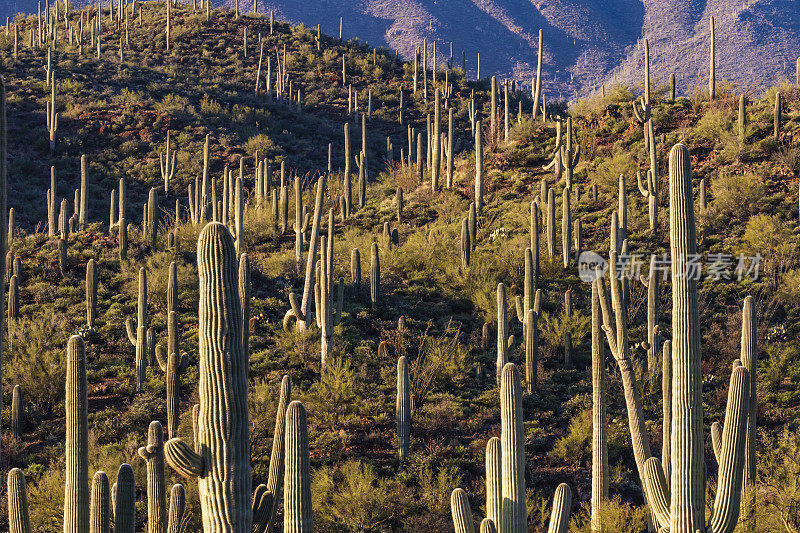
587 42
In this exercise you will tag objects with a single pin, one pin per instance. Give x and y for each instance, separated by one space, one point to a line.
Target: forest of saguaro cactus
258 278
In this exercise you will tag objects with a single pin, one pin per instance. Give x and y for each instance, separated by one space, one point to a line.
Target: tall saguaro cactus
494 481
478 167
172 365
91 293
76 486
712 68
222 462
139 338
512 441
461 512
502 331
124 500
18 515
599 430
749 354
681 505
298 516
403 409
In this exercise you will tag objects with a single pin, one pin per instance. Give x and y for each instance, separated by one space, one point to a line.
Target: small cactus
17 413
124 500
18 516
100 512
559 516
177 509
153 453
461 511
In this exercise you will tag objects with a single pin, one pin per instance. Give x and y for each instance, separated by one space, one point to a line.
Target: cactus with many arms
222 462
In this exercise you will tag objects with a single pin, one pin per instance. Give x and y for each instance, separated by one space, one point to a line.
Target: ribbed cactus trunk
666 408
466 245
403 409
566 228
512 440
278 454
502 331
18 513
551 223
222 462
17 410
749 355
688 464
84 177
599 430
177 509
776 118
478 167
124 499
622 212
437 142
652 321
742 118
100 510
494 478
153 453
298 515
76 485
355 268
559 516
712 69
461 512
91 293
374 276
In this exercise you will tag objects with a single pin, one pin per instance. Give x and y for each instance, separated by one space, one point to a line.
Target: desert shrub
440 361
350 497
574 447
779 466
436 486
37 361
333 396
770 237
553 327
733 197
615 515
607 173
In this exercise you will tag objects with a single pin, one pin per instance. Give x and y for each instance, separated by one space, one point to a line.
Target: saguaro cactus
172 365
776 118
599 430
298 516
84 177
177 509
374 275
91 293
466 245
153 453
167 164
551 223
76 485
494 477
502 330
559 516
18 517
712 68
17 412
478 167
124 499
222 462
749 354
512 440
403 409
139 339
461 511
566 228
100 511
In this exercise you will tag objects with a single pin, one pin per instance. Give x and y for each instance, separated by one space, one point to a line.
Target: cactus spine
512 440
222 463
461 511
91 293
494 485
153 453
403 409
298 516
76 486
18 517
100 512
599 430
